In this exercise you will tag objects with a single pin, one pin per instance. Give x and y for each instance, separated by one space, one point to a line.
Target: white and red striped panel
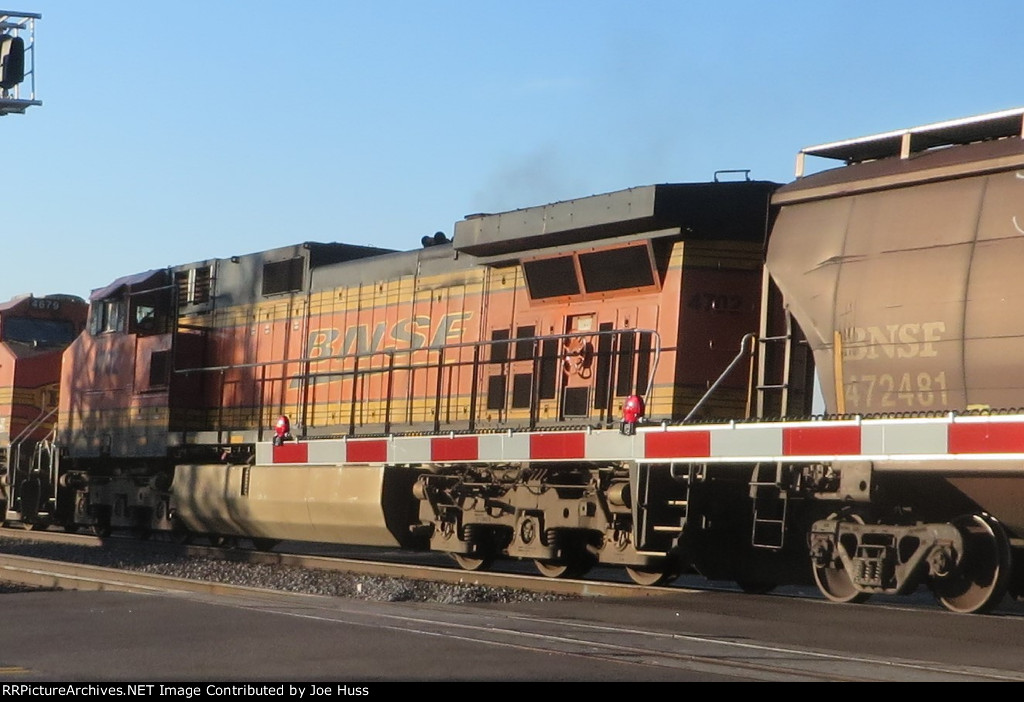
941 438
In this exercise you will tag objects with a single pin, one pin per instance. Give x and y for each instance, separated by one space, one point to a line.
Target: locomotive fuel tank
351 504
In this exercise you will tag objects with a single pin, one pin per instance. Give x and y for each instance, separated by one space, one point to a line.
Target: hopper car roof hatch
905 142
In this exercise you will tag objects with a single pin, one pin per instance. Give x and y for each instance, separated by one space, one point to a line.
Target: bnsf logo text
910 340
408 333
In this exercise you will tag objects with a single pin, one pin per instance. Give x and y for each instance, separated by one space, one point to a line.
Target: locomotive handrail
18 440
746 349
31 426
387 352
390 367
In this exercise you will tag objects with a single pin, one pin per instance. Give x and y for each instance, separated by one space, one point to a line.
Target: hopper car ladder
785 367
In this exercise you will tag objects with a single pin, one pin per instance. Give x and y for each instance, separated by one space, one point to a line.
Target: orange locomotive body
34 331
488 335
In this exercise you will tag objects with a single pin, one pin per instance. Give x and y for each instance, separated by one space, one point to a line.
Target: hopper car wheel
984 573
101 530
835 583
473 562
265 544
657 574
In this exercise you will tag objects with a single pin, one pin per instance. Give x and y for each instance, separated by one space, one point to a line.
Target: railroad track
44 572
356 561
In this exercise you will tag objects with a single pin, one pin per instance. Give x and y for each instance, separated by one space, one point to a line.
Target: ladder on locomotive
770 507
661 508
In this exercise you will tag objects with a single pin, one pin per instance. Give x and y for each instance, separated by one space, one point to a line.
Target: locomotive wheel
657 574
554 569
574 567
473 562
102 530
181 536
984 574
265 544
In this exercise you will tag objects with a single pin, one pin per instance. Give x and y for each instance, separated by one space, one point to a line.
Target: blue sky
174 132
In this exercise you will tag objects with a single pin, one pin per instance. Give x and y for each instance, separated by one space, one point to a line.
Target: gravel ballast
135 556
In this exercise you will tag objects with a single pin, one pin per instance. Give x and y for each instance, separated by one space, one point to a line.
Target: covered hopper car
623 379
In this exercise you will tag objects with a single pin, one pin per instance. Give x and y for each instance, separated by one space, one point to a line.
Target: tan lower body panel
331 503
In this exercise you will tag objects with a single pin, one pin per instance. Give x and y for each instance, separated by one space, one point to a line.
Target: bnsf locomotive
625 379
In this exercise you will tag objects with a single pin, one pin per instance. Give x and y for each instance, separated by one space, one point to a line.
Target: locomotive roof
320 254
731 210
20 300
136 281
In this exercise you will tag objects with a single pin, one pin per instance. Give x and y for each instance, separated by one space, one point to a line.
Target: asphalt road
187 638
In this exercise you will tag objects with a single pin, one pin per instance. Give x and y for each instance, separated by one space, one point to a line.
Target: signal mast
17 61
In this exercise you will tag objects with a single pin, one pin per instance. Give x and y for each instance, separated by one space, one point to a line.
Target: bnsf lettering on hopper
761 383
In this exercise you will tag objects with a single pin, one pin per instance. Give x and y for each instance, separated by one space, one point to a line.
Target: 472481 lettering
887 391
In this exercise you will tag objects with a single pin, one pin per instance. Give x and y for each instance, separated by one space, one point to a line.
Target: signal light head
12 61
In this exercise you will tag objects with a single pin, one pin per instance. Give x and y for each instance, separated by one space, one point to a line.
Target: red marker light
633 409
283 427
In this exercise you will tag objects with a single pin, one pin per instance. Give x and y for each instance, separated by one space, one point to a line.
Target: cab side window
106 316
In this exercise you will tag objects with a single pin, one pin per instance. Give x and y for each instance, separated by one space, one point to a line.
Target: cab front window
38 332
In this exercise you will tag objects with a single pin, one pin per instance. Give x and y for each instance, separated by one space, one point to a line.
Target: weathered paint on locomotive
116 378
350 340
903 274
